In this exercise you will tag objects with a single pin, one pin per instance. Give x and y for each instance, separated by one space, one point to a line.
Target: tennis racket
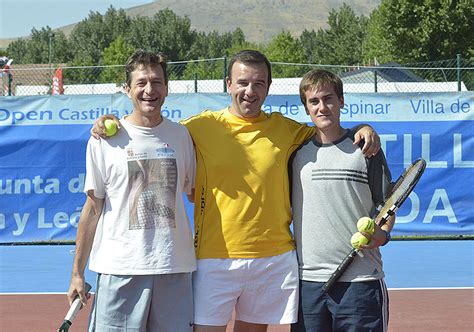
399 193
72 312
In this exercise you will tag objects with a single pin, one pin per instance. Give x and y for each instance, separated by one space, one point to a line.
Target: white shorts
261 290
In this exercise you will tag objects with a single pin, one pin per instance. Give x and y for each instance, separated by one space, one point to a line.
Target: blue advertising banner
43 142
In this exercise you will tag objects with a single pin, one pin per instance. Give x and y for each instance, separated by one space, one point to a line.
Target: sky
18 17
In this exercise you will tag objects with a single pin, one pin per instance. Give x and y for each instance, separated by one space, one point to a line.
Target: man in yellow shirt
242 217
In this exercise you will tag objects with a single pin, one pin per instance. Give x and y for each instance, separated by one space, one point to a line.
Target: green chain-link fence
208 75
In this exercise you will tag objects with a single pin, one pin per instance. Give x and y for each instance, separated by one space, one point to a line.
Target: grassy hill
259 19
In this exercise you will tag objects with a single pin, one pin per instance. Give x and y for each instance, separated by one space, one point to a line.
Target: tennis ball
110 127
366 225
358 239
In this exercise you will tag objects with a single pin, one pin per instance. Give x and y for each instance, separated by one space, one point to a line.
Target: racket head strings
403 186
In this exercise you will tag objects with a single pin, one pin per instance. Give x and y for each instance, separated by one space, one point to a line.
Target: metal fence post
225 73
10 80
195 82
50 50
375 80
458 63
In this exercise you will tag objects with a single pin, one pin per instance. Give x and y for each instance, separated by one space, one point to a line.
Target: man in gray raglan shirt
333 185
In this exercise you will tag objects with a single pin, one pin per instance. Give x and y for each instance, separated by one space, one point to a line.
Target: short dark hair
318 78
143 58
250 57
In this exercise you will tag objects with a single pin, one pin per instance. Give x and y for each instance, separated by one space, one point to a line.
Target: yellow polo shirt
242 203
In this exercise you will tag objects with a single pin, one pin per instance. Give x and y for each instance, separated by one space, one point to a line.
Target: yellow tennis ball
366 225
110 127
358 239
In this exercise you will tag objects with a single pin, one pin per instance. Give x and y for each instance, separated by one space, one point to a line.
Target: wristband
388 237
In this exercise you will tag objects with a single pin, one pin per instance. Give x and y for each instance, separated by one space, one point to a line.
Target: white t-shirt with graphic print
141 173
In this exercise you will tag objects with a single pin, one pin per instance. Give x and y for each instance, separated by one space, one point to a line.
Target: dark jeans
348 307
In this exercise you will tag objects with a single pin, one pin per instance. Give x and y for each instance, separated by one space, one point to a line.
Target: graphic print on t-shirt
152 182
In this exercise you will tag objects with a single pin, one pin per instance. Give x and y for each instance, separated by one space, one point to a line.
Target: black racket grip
340 270
88 287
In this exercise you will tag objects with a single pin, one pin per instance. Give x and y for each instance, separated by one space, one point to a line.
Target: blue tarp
43 142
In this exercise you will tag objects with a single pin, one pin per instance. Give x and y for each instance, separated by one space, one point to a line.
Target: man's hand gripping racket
73 311
400 192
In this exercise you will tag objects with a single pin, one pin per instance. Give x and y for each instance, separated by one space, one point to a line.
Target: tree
37 48
308 41
82 71
140 34
204 70
212 46
239 45
17 50
165 32
341 43
378 45
285 48
116 54
92 35
417 31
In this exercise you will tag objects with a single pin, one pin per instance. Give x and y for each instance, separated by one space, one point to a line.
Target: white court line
44 293
429 288
390 289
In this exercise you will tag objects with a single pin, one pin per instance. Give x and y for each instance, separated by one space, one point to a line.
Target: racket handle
65 326
75 306
340 270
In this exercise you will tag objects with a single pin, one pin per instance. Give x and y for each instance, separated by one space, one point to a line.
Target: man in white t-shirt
133 224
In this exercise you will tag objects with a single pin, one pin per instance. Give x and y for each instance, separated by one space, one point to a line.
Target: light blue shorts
143 303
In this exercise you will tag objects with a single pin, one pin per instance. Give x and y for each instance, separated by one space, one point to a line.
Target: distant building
392 77
390 72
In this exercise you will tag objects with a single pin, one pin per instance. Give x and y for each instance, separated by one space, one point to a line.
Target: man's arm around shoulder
366 133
